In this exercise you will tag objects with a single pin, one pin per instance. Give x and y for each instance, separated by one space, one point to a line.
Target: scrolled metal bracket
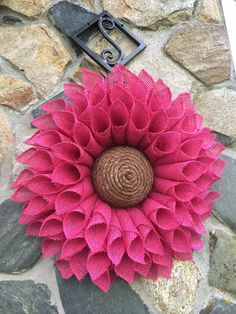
104 23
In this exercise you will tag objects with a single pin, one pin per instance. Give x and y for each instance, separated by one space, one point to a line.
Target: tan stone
208 11
32 9
151 13
203 50
15 93
219 110
36 50
174 295
6 135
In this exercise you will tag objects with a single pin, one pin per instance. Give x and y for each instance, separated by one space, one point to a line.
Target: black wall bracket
105 22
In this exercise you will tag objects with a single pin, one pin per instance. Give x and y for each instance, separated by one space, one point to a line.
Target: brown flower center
122 176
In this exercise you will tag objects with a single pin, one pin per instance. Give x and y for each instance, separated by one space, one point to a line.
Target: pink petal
115 241
33 229
55 104
184 171
75 220
97 229
91 79
73 153
138 124
67 174
37 205
143 269
42 184
160 97
44 122
23 178
166 143
126 269
101 126
48 138
147 79
22 194
78 264
50 247
97 264
85 139
64 268
164 219
70 198
98 97
103 282
119 116
72 246
51 226
41 160
64 120
73 92
118 93
134 244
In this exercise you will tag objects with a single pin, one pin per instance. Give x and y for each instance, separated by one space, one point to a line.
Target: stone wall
187 46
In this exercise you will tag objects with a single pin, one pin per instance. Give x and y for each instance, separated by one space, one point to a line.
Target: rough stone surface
32 9
25 297
223 139
176 293
18 252
40 55
69 17
219 110
225 205
84 297
219 306
222 273
151 14
15 93
203 50
6 136
208 11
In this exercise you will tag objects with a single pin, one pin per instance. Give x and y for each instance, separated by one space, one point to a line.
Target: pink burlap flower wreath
118 178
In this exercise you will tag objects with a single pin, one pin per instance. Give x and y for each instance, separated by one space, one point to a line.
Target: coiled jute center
122 176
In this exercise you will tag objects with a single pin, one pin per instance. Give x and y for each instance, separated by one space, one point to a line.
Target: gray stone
225 205
218 108
69 17
223 139
18 252
85 298
25 297
222 273
203 50
219 306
